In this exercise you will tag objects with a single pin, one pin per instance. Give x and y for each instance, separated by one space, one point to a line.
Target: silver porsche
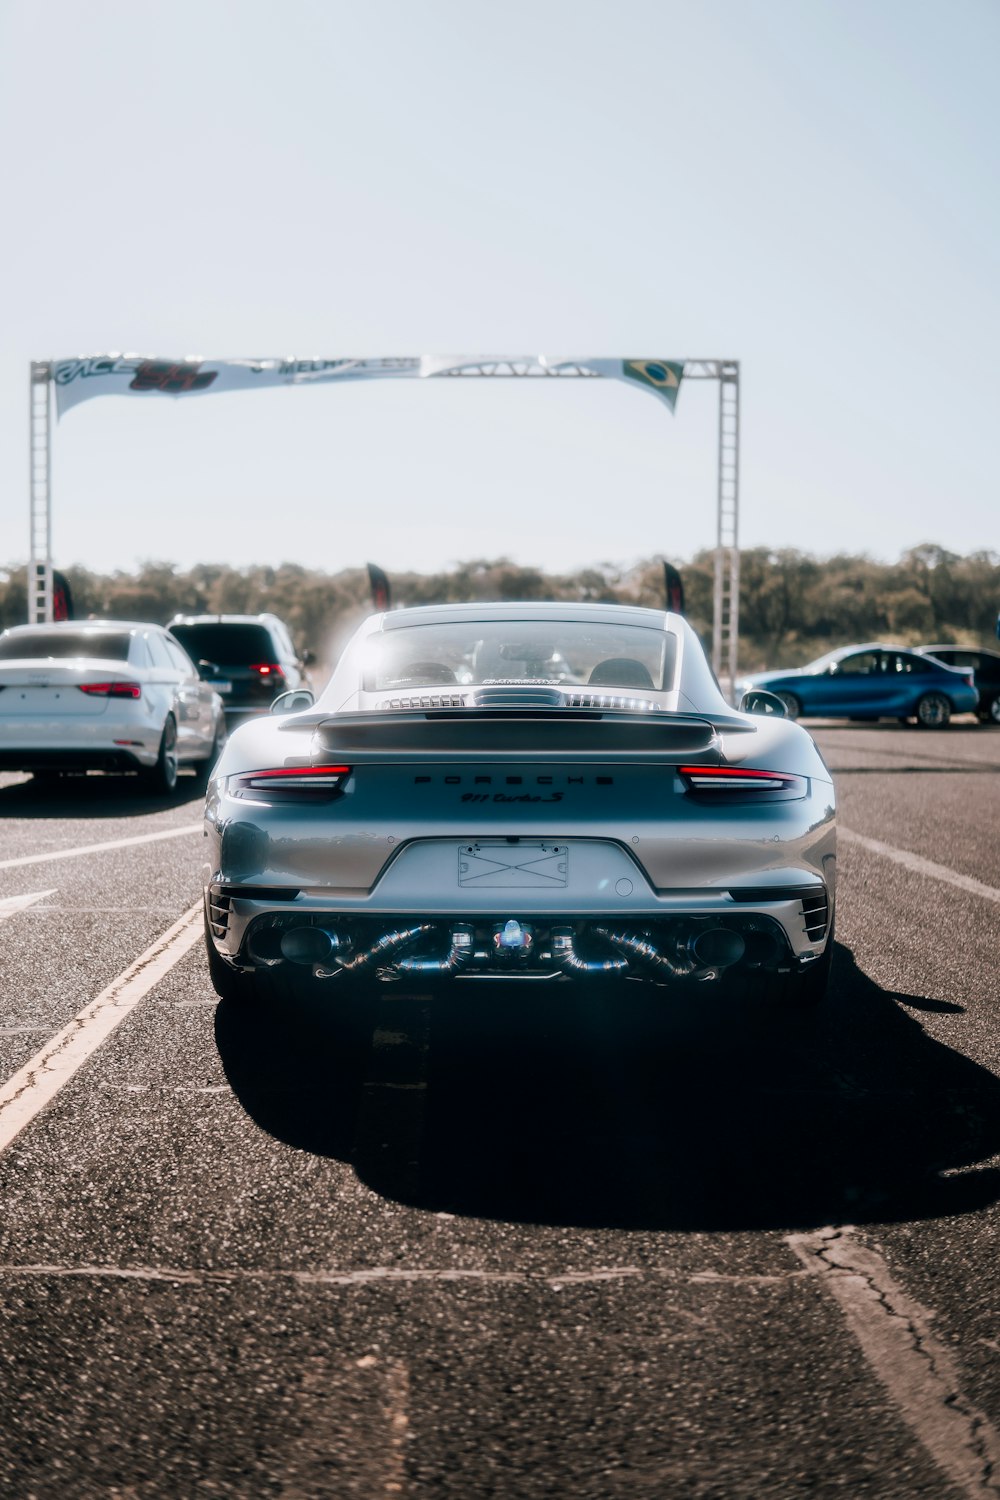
539 792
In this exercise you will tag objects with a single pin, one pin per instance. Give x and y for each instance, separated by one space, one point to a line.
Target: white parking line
921 866
13 904
397 1390
26 1094
917 1369
75 851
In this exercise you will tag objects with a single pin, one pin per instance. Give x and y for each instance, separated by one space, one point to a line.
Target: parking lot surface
496 1243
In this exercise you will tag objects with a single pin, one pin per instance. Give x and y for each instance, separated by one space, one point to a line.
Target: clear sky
809 186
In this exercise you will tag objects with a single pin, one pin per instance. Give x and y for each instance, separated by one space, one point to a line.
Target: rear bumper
779 929
655 869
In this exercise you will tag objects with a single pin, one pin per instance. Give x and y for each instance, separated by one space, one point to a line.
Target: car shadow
628 1109
96 796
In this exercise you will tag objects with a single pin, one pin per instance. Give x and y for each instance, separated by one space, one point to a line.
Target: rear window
226 645
487 652
110 645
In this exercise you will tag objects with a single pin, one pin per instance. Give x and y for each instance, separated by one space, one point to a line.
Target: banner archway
65 383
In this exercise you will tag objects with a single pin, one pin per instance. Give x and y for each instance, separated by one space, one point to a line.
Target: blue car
872 682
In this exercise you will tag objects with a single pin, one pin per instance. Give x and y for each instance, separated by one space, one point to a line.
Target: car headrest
621 671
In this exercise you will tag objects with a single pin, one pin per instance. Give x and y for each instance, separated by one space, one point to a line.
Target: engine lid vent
425 700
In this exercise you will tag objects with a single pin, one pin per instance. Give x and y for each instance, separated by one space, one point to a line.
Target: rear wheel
991 713
162 778
809 987
793 708
804 988
228 983
933 711
282 997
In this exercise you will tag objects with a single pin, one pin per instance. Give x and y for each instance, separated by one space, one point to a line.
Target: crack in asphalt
918 1371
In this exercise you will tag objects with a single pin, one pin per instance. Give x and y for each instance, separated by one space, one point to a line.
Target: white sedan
105 695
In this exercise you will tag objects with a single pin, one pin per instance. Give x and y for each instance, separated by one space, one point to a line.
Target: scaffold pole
39 582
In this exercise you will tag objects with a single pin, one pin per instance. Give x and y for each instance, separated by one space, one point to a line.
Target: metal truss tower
39 582
726 592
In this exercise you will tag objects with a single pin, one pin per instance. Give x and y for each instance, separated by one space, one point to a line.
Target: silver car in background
521 791
108 695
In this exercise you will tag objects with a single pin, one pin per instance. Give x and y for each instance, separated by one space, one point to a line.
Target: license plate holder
513 867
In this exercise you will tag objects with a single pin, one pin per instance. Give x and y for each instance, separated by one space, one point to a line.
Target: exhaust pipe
718 947
458 957
384 947
311 945
707 952
565 956
643 951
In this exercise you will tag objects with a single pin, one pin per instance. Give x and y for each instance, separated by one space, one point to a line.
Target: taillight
290 783
713 779
970 678
111 689
267 668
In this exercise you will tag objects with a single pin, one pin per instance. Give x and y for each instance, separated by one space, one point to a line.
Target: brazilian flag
663 376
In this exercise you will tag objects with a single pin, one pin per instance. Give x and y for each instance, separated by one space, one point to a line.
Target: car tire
793 708
162 778
252 987
235 986
805 988
810 986
933 711
991 713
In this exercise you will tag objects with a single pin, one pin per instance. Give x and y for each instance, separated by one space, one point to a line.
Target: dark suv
248 659
986 668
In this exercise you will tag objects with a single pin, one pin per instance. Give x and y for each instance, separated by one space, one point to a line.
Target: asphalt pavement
494 1244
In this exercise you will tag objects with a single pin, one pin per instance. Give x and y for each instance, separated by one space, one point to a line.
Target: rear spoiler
541 731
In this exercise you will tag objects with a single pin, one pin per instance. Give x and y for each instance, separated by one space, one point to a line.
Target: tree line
793 606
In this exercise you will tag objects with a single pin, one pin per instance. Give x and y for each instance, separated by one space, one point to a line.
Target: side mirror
760 701
292 702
